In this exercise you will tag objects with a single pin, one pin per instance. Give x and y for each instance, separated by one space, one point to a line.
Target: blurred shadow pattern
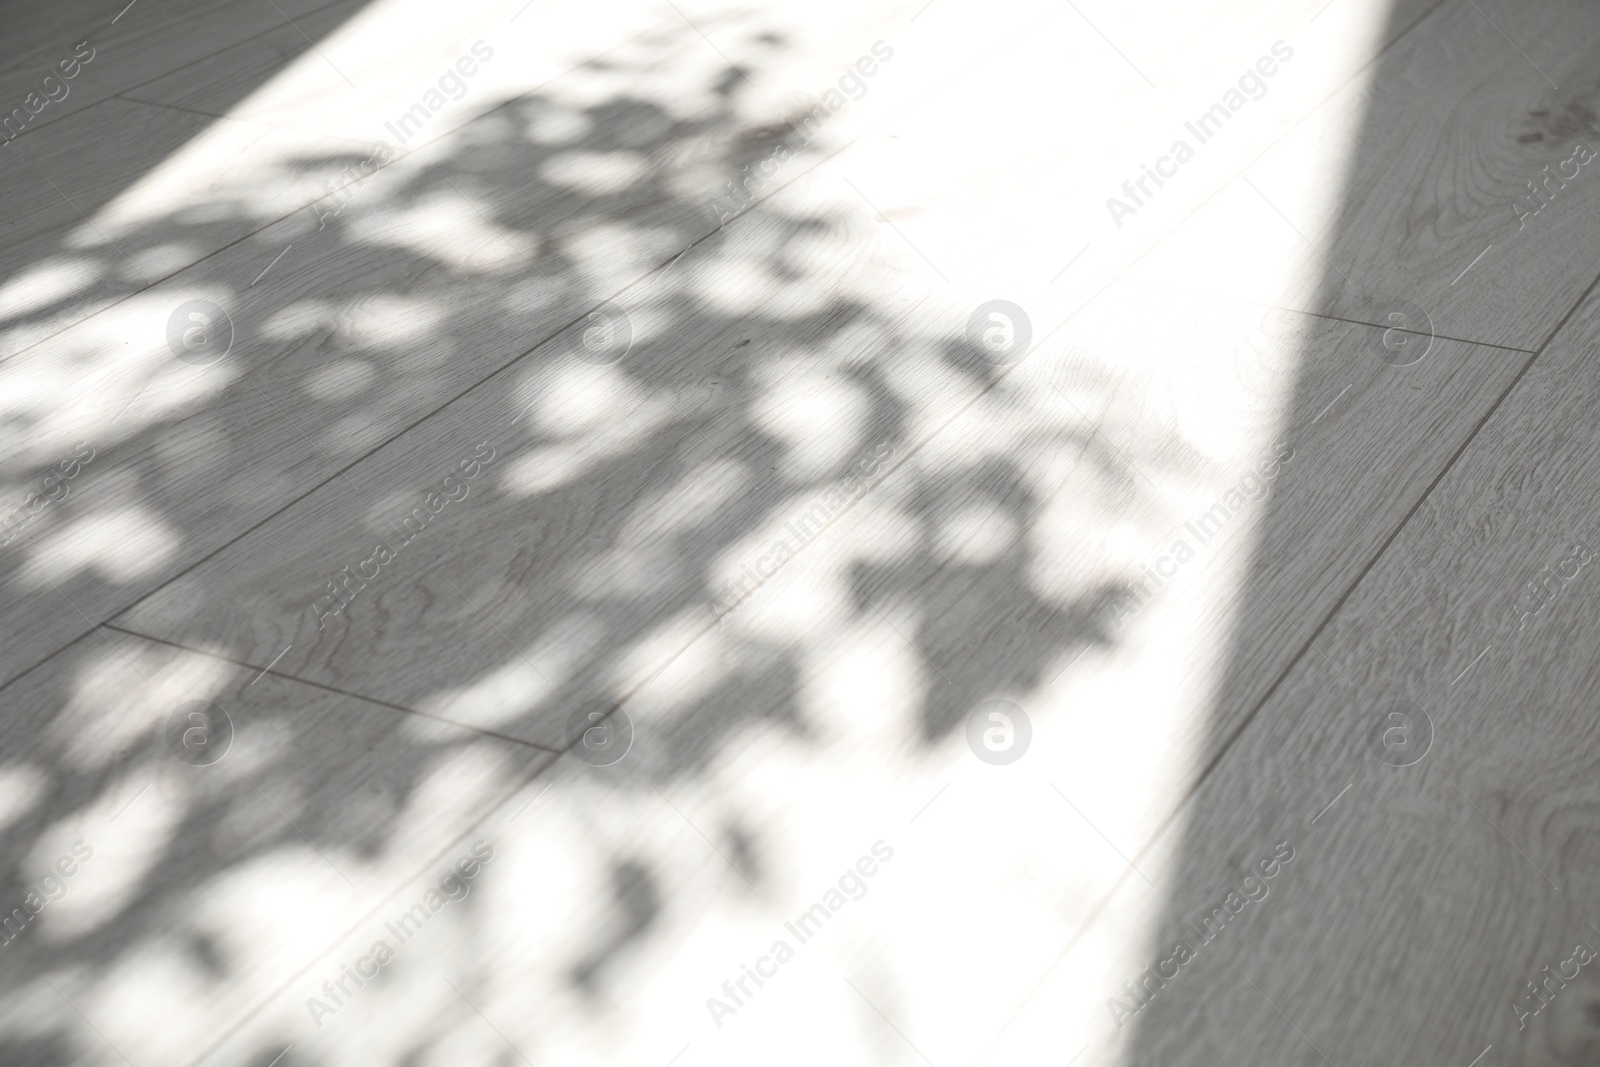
336 345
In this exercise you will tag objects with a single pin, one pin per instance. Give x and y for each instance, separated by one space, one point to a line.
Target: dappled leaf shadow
455 277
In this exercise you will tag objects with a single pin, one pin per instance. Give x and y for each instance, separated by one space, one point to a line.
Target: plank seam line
1096 912
1223 298
166 73
329 688
498 370
1394 42
1384 548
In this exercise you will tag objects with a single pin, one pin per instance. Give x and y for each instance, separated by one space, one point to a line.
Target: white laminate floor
908 533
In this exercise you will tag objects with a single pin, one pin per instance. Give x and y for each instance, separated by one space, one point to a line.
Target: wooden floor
564 574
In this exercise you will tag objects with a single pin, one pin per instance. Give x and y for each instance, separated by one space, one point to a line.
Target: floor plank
318 325
126 45
1088 462
820 316
340 274
88 158
117 50
1478 618
952 530
95 198
125 165
213 858
1404 194
834 679
351 86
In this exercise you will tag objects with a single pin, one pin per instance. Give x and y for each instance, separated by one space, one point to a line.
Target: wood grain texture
170 182
351 85
1384 199
131 45
1187 441
1429 893
637 557
220 82
845 677
103 212
609 492
330 801
444 237
505 236
950 531
443 234
88 158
